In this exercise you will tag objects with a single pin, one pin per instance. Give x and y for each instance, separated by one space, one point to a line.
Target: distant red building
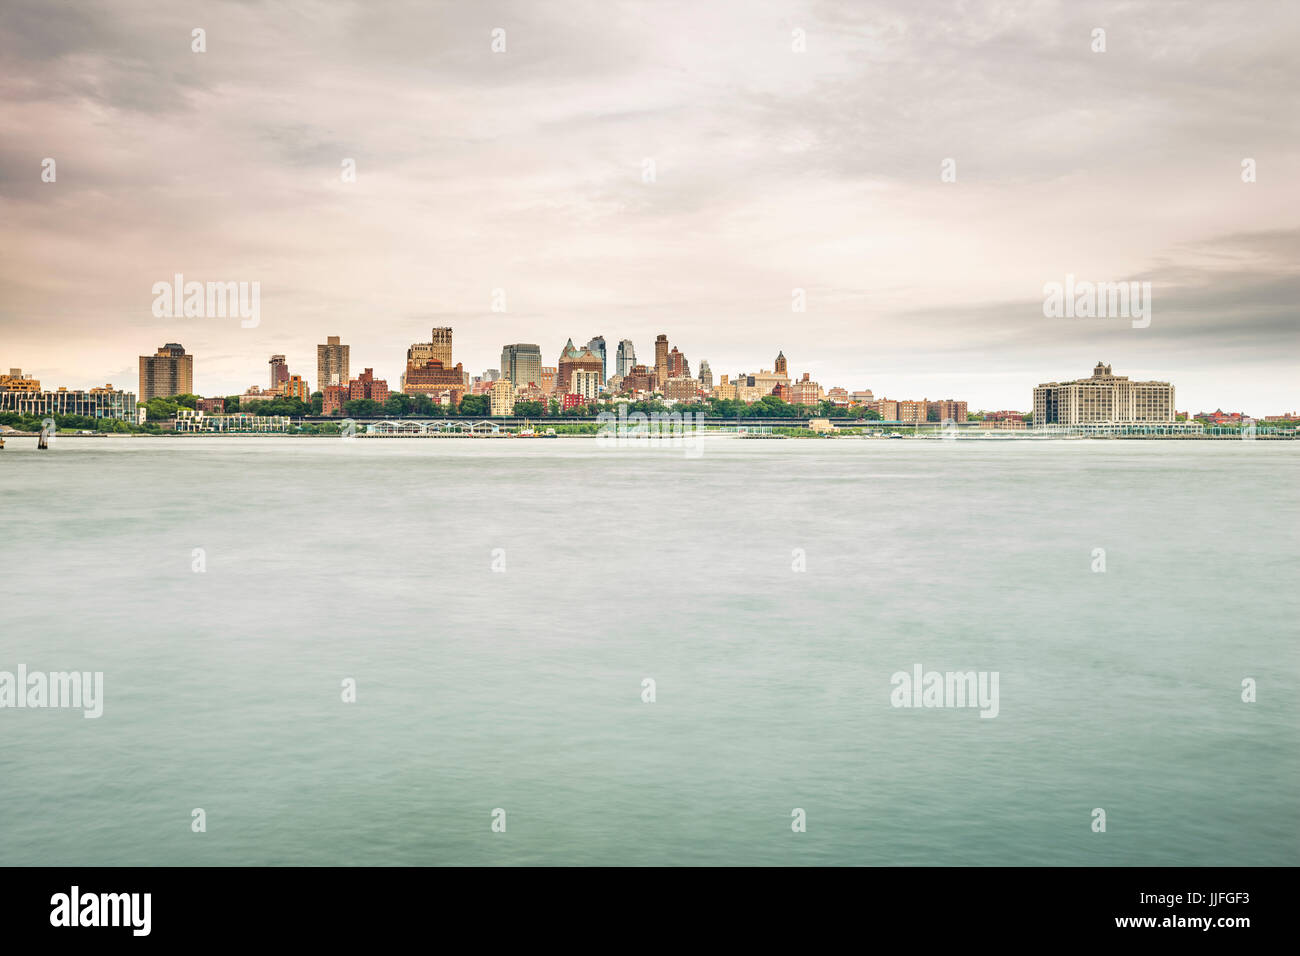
573 400
364 385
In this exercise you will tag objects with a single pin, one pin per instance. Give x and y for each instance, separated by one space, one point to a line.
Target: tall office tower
522 364
626 358
706 374
279 371
780 364
332 363
167 372
597 347
661 359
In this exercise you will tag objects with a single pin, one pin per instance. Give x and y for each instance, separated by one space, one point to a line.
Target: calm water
372 560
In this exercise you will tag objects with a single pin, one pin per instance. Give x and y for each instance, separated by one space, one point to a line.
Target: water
371 560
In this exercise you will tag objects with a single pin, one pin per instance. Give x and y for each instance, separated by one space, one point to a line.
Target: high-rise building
678 367
780 364
949 410
167 372
279 371
548 379
661 359
573 358
585 382
502 397
1105 397
706 374
626 357
597 347
332 363
522 363
295 386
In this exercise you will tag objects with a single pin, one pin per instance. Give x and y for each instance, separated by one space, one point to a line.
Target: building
585 382
433 378
750 388
364 386
626 358
863 397
548 379
682 389
295 386
213 406
678 367
725 390
805 392
640 379
597 347
167 372
706 374
838 395
16 381
780 367
950 410
522 363
661 359
332 363
104 402
279 371
503 397
572 359
1105 397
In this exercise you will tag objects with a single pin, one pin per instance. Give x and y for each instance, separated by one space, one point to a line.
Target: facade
585 382
661 359
16 381
503 397
432 377
548 379
862 397
364 385
805 392
167 372
572 400
626 358
105 402
213 406
1105 397
725 390
572 359
950 410
678 367
682 389
332 363
522 363
295 386
640 379
781 368
279 370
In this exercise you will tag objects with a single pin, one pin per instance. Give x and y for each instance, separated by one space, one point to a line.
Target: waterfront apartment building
193 421
167 372
105 402
502 397
332 363
1105 397
626 358
522 363
364 385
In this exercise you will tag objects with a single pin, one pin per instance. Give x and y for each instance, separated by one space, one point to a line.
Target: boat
893 435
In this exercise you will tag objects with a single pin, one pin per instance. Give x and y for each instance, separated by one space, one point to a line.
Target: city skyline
605 186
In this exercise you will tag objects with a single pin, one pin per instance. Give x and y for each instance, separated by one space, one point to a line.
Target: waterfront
334 559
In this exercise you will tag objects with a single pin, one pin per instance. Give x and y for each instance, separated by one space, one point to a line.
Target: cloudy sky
774 170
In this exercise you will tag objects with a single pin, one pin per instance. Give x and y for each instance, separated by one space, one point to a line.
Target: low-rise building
103 402
193 421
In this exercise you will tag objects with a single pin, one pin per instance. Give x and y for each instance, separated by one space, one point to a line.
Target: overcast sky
774 170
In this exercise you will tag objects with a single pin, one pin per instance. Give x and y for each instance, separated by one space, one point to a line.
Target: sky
795 145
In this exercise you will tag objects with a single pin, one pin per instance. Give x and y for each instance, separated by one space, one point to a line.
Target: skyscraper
279 371
626 358
572 359
678 367
522 364
780 364
661 359
332 363
706 374
597 347
167 372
